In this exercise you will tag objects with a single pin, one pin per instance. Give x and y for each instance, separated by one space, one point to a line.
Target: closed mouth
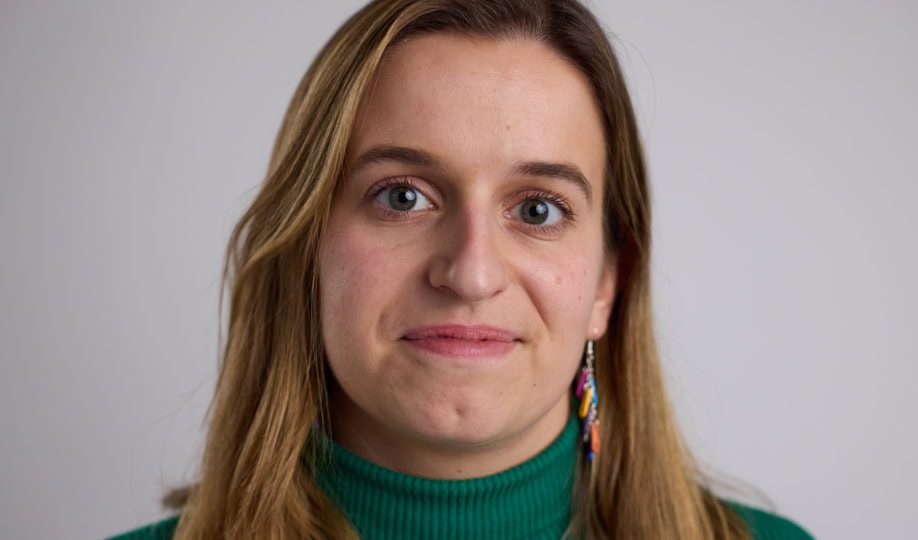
463 342
461 332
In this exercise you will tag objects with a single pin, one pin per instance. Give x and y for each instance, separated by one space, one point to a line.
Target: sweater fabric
531 501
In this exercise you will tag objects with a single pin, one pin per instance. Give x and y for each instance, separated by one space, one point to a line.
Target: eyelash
386 183
544 195
556 199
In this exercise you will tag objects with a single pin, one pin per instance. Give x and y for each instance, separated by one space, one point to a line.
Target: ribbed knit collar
531 500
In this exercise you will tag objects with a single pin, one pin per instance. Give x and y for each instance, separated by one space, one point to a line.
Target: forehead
480 104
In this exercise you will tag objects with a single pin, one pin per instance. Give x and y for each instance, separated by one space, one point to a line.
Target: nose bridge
470 262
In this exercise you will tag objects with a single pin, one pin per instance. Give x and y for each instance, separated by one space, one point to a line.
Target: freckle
508 127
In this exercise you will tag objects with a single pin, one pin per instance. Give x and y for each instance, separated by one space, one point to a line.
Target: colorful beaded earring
589 402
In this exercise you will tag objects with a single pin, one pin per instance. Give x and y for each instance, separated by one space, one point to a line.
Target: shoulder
161 530
767 526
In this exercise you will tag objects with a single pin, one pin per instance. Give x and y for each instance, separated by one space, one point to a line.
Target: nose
468 261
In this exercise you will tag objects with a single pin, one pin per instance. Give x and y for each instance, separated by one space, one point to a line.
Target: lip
462 341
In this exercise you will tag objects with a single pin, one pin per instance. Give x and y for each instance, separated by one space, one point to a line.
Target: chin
451 427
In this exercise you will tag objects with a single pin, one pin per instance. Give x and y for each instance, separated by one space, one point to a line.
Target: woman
440 312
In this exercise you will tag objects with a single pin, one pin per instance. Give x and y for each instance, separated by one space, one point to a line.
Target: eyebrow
399 154
562 171
413 156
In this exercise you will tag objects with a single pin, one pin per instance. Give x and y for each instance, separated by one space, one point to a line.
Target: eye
539 212
402 198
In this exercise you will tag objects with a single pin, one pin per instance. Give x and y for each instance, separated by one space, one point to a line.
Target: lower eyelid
391 183
566 213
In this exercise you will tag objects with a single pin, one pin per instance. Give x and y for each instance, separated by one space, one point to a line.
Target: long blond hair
257 475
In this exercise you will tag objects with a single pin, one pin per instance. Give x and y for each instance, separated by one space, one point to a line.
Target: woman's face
462 268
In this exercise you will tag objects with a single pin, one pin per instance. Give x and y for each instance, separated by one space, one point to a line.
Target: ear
602 305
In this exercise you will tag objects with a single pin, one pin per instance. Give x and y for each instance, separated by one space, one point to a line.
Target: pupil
535 212
402 198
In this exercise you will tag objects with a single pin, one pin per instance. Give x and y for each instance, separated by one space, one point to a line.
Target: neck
430 457
532 499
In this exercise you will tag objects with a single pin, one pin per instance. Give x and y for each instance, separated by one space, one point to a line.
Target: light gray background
781 137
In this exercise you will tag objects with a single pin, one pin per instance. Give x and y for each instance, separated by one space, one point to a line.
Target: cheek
565 289
345 278
361 279
343 267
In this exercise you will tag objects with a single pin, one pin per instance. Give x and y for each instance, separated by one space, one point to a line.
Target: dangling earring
589 402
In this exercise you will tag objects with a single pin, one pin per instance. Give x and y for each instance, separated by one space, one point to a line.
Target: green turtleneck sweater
531 501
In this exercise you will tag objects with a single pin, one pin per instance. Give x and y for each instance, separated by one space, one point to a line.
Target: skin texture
463 254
